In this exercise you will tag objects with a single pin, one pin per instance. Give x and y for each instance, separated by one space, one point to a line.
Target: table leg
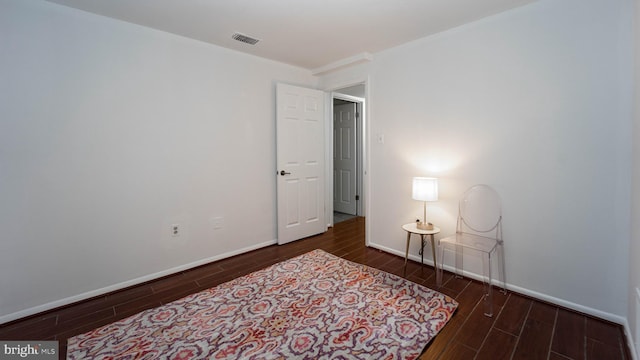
406 254
422 249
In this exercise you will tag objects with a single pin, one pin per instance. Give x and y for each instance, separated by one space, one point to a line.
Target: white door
300 161
344 158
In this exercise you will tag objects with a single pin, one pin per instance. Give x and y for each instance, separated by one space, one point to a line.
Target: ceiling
312 34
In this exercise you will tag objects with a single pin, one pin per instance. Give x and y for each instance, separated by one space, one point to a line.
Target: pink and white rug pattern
314 306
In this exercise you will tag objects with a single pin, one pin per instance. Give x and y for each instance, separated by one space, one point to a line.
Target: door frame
360 105
363 149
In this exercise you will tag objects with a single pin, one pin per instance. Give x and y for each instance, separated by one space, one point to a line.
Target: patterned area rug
314 306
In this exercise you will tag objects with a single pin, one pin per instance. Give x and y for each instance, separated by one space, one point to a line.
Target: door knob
283 173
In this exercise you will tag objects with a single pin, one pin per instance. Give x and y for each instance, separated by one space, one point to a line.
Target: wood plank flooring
521 328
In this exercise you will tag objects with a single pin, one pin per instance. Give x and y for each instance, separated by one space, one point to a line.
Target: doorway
348 129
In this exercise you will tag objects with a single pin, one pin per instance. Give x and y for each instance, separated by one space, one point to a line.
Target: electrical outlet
175 230
218 223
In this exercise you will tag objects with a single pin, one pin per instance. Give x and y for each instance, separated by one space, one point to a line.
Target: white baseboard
534 294
630 340
400 253
125 284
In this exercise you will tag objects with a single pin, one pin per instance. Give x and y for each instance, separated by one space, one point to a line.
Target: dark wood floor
522 328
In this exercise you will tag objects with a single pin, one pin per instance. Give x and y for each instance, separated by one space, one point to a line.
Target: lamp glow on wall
425 189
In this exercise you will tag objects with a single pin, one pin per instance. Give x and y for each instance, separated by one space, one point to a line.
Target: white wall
634 251
536 103
111 132
356 90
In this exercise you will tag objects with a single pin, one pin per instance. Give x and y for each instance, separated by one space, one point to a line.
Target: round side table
412 228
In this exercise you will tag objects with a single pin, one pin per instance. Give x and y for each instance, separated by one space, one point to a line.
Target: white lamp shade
425 189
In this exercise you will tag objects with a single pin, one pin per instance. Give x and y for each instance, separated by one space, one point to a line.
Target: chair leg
488 298
501 268
440 268
459 261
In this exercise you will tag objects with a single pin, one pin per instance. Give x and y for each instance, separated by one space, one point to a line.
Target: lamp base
424 226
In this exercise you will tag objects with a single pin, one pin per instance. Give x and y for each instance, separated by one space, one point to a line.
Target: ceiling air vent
244 38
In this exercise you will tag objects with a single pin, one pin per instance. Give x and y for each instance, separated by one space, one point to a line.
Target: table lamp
425 189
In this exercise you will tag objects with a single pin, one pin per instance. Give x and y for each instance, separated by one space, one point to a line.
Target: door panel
300 161
344 158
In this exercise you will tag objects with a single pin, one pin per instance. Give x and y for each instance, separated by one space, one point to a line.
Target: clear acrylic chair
479 228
